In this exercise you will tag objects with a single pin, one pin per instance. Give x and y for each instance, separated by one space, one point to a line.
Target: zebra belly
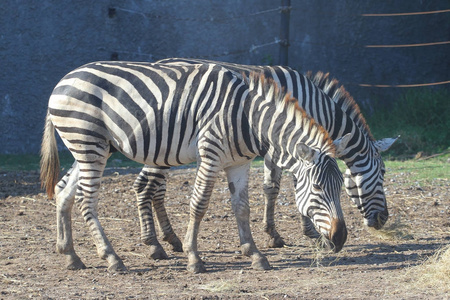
163 157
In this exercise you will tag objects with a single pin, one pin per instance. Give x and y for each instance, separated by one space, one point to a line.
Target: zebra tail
49 159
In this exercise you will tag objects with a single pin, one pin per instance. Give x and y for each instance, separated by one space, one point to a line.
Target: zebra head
363 180
317 193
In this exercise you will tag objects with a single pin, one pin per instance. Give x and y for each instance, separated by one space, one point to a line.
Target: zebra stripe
166 115
339 115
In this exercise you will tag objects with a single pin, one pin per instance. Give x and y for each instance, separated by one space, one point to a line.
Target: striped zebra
166 116
338 114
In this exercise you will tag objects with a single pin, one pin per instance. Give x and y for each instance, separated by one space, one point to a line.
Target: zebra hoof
157 252
276 242
196 268
117 267
75 263
177 246
261 263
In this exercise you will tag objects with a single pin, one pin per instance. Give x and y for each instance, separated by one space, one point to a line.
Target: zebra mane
284 101
343 98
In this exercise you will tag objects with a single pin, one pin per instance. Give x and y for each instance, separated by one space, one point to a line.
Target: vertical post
284 32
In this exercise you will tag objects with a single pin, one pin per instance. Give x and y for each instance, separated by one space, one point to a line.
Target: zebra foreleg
238 184
272 177
65 195
308 228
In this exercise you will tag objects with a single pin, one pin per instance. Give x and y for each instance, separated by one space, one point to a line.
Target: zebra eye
317 187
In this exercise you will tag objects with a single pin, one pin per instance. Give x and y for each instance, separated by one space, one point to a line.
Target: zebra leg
155 190
309 229
145 186
91 171
272 177
238 183
65 195
163 220
204 183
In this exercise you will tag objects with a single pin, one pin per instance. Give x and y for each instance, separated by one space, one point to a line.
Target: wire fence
277 41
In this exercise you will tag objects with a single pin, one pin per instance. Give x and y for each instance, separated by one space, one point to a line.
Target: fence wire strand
211 19
277 40
419 13
408 45
403 85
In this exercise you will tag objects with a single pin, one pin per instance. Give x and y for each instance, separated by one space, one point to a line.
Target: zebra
165 116
339 114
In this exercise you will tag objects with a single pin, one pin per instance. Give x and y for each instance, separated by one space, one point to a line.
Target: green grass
424 170
420 117
417 170
29 162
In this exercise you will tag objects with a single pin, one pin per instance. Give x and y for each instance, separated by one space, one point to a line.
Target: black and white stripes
339 115
165 115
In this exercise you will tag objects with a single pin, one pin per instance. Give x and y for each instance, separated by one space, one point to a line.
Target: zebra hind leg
145 189
272 177
238 184
65 195
91 170
151 183
163 220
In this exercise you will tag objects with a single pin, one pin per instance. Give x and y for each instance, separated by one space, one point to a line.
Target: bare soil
371 266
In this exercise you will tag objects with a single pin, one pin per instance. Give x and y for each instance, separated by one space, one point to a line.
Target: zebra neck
278 132
330 114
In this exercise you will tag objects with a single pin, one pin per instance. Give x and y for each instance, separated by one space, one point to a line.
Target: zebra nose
338 234
381 218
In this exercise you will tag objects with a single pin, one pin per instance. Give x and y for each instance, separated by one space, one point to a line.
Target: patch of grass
432 273
425 170
420 116
220 286
29 162
417 170
393 232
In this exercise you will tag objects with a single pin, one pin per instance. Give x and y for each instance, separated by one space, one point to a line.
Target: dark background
40 41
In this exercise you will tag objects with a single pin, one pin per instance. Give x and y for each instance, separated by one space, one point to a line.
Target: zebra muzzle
382 218
338 235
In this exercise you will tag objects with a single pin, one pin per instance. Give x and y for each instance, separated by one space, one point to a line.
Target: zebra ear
384 144
341 144
306 153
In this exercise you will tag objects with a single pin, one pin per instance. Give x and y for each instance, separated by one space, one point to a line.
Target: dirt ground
371 266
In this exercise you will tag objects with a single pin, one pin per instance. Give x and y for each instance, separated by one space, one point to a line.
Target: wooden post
284 32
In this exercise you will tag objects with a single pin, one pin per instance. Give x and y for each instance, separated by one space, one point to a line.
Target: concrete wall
42 40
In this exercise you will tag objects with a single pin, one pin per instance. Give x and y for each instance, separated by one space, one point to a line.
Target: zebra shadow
379 256
373 257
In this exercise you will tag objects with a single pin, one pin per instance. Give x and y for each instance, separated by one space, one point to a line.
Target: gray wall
42 40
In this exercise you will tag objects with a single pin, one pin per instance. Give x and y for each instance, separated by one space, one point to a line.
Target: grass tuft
393 232
432 273
220 286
